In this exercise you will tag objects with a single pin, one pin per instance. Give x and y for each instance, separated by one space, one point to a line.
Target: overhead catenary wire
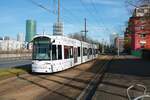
93 16
71 13
49 10
66 18
41 6
96 12
89 12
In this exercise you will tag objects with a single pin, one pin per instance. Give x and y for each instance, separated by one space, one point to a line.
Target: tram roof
55 36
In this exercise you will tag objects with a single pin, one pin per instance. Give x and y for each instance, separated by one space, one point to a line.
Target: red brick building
137 35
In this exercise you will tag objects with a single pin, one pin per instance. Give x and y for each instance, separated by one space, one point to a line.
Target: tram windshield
41 49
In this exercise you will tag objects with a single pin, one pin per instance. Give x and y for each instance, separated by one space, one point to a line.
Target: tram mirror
53 41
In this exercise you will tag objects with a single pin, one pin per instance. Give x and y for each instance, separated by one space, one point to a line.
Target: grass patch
11 72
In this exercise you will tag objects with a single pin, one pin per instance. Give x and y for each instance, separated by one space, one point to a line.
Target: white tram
57 53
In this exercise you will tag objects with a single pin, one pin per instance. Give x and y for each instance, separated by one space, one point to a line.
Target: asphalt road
14 63
124 71
68 85
65 85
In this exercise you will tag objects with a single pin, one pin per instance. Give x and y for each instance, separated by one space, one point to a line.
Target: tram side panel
84 50
72 55
68 53
90 51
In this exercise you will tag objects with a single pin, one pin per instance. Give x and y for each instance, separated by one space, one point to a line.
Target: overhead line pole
58 11
85 29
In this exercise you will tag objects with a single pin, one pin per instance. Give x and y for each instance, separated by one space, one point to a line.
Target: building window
140 11
143 35
142 27
142 45
59 52
142 19
78 51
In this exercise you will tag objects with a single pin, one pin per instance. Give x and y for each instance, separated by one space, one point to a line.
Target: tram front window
41 50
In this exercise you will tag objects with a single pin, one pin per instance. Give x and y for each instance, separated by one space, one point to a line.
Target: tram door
88 53
75 55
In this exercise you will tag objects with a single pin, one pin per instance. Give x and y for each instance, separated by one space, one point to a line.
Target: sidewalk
123 72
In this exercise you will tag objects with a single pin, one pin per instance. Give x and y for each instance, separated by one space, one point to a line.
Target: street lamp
118 45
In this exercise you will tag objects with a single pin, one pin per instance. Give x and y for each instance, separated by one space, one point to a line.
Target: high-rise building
6 38
20 37
112 38
58 28
1 38
30 30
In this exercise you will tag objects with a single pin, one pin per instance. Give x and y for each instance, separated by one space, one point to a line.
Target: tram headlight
33 62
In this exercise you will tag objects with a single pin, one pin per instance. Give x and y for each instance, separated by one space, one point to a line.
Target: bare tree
132 4
80 36
77 36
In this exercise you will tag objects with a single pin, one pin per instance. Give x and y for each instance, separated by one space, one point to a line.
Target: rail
89 91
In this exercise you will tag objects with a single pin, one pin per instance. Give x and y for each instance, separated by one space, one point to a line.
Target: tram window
66 52
84 51
90 51
78 51
59 52
71 52
54 55
95 51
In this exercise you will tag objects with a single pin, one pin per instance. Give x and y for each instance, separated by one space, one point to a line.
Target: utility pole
103 50
58 19
118 46
85 29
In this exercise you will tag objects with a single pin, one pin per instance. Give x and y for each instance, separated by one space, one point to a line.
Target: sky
104 17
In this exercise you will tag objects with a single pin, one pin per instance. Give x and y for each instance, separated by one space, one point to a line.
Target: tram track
67 84
89 91
84 93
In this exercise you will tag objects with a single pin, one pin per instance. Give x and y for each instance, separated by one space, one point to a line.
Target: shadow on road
26 68
134 66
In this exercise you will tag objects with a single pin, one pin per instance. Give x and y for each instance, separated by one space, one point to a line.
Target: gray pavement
14 63
123 72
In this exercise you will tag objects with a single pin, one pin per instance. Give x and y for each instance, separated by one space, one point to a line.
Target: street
121 72
14 63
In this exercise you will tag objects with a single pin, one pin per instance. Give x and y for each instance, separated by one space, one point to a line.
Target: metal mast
58 11
58 26
85 29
